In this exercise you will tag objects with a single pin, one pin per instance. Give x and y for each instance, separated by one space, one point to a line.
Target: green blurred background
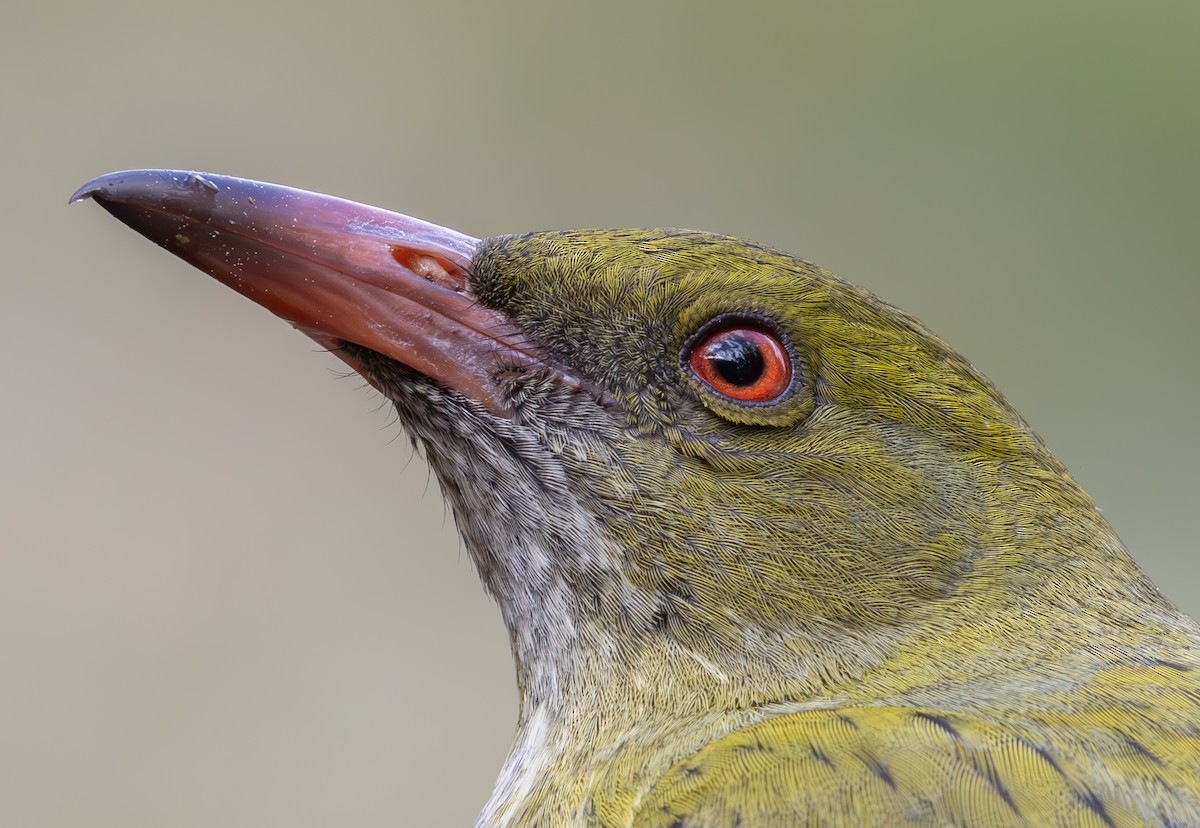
230 595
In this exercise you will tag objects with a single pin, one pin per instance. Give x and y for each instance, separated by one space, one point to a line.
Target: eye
743 362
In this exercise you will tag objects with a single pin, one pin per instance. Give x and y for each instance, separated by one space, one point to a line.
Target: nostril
434 269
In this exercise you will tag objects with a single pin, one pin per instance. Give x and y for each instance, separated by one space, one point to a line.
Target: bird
769 552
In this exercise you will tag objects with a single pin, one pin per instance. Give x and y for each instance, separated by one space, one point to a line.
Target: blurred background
229 593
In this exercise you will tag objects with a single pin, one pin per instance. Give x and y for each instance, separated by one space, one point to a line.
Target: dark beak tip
101 185
126 184
104 185
85 192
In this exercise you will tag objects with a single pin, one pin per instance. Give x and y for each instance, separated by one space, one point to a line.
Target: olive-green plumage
881 600
768 551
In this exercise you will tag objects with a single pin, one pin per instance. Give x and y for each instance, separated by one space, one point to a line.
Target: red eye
744 363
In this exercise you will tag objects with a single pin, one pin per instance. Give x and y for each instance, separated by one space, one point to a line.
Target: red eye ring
743 362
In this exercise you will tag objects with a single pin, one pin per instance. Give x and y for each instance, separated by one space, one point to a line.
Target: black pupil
737 359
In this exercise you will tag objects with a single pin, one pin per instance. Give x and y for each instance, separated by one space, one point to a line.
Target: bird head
680 461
